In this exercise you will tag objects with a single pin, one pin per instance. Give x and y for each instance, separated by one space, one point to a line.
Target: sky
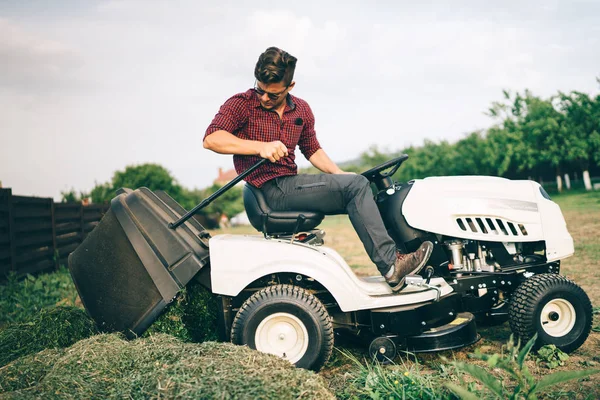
90 87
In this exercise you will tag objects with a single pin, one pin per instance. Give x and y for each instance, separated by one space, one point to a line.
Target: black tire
551 296
292 310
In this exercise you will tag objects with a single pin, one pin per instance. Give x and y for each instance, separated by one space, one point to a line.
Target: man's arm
223 142
321 161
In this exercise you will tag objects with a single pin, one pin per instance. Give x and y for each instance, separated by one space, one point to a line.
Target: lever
299 222
428 273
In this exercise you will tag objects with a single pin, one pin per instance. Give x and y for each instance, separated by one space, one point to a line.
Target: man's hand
273 150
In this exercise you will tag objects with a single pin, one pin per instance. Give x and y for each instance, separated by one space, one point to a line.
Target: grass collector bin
132 265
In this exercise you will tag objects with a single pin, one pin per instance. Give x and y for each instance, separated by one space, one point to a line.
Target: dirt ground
582 214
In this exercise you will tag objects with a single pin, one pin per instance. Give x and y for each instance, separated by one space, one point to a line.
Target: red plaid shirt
243 116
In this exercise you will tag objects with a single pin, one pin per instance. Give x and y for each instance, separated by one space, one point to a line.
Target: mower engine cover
132 265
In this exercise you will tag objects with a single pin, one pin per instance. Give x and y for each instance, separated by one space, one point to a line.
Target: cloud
32 63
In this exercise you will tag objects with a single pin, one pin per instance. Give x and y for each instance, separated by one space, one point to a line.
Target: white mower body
468 207
238 260
488 209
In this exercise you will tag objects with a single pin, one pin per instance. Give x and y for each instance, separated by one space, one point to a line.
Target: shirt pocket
291 135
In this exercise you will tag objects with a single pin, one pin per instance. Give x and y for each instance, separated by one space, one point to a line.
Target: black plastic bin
132 265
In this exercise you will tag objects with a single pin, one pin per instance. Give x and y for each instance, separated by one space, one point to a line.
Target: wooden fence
37 234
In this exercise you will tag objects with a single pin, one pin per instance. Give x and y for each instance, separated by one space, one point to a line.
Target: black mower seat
272 222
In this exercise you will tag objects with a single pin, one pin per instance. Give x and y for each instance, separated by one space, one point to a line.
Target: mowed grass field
582 214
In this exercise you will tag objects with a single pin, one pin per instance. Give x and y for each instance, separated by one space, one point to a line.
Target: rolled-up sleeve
308 142
232 116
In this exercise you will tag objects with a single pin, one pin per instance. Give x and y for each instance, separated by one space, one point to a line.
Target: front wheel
286 321
555 308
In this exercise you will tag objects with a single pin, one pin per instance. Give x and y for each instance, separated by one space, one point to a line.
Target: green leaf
531 396
482 375
563 376
461 392
525 351
493 360
545 351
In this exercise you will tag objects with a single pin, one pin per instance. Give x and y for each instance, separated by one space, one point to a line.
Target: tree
72 196
535 134
102 192
229 203
470 156
582 125
152 176
545 134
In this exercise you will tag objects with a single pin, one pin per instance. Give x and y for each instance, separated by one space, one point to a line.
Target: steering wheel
375 174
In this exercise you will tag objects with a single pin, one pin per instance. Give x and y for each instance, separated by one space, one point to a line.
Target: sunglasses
272 96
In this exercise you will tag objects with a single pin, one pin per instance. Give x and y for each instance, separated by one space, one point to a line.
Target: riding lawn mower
498 245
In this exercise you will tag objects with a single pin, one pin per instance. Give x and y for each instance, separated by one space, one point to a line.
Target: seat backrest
265 220
256 206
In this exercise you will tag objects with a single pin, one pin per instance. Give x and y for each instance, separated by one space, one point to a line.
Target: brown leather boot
409 264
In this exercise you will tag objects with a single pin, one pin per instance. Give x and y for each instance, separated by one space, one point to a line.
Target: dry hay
161 366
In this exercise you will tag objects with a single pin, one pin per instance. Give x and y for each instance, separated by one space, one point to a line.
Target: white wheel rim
558 317
283 335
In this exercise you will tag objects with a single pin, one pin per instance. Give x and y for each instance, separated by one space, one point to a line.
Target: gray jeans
337 194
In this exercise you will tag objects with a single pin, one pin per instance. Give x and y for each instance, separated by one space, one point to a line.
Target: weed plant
550 356
372 380
521 384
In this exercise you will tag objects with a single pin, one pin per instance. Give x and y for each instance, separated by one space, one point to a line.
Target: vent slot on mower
491 226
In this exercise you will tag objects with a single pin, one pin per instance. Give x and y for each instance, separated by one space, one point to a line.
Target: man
269 122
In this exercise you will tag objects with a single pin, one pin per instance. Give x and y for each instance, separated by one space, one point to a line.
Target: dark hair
275 65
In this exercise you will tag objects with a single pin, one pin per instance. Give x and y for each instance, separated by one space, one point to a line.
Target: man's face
272 95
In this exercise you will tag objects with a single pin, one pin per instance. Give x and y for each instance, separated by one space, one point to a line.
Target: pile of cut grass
192 317
52 328
28 370
159 366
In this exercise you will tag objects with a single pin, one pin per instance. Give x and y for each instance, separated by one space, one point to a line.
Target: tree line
156 177
531 138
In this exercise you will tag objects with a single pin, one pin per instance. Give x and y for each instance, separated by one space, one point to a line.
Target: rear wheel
555 308
286 321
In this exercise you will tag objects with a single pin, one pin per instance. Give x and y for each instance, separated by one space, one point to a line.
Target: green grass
21 299
404 380
579 200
